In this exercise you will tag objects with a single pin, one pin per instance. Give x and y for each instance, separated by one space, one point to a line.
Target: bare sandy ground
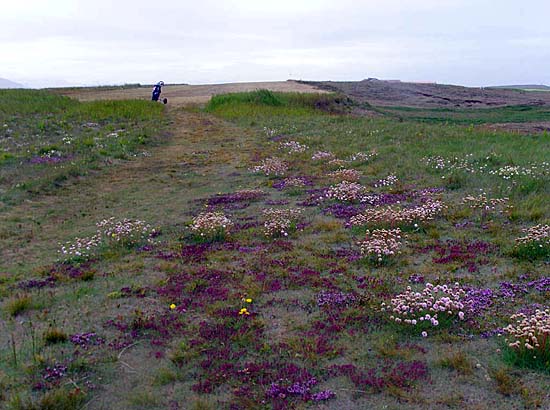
520 127
185 94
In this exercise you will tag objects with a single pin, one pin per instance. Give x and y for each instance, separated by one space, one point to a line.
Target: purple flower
37 283
323 395
330 299
86 340
478 300
416 278
52 374
343 211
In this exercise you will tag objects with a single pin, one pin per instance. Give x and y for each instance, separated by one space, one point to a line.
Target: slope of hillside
5 83
431 95
540 87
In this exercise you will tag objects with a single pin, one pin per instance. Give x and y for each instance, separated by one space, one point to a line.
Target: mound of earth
430 95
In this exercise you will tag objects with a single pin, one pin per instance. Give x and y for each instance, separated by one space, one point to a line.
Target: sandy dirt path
196 160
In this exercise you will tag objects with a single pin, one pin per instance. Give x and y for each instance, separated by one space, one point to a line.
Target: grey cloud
460 41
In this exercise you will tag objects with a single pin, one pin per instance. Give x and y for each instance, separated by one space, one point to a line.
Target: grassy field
516 113
257 253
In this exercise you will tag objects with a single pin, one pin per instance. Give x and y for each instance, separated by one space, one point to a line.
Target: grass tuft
54 335
507 384
19 304
457 361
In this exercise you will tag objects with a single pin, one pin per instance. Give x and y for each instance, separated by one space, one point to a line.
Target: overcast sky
89 42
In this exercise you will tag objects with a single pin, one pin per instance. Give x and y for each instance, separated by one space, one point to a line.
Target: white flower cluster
270 132
418 308
346 191
337 162
126 231
345 174
51 154
81 247
399 216
468 164
388 181
280 222
538 234
109 231
293 147
67 140
511 171
322 155
362 156
271 166
381 243
530 332
456 163
210 224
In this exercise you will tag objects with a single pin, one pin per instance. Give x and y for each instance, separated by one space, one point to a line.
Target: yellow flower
172 306
244 311
248 300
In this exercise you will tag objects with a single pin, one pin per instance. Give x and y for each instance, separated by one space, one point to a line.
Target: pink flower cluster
346 191
345 174
280 222
399 216
427 307
381 243
294 182
538 234
530 332
210 224
271 166
485 203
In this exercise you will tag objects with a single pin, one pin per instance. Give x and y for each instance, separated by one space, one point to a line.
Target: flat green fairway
467 116
270 251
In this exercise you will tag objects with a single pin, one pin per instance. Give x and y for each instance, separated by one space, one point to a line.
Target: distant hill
4 83
539 87
430 95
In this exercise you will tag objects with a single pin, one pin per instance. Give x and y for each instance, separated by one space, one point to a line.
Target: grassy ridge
265 103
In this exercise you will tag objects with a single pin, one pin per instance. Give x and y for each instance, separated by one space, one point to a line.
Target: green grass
50 140
258 105
19 304
466 116
25 102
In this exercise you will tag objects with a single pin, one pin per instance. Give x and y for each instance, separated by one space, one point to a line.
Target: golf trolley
156 93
